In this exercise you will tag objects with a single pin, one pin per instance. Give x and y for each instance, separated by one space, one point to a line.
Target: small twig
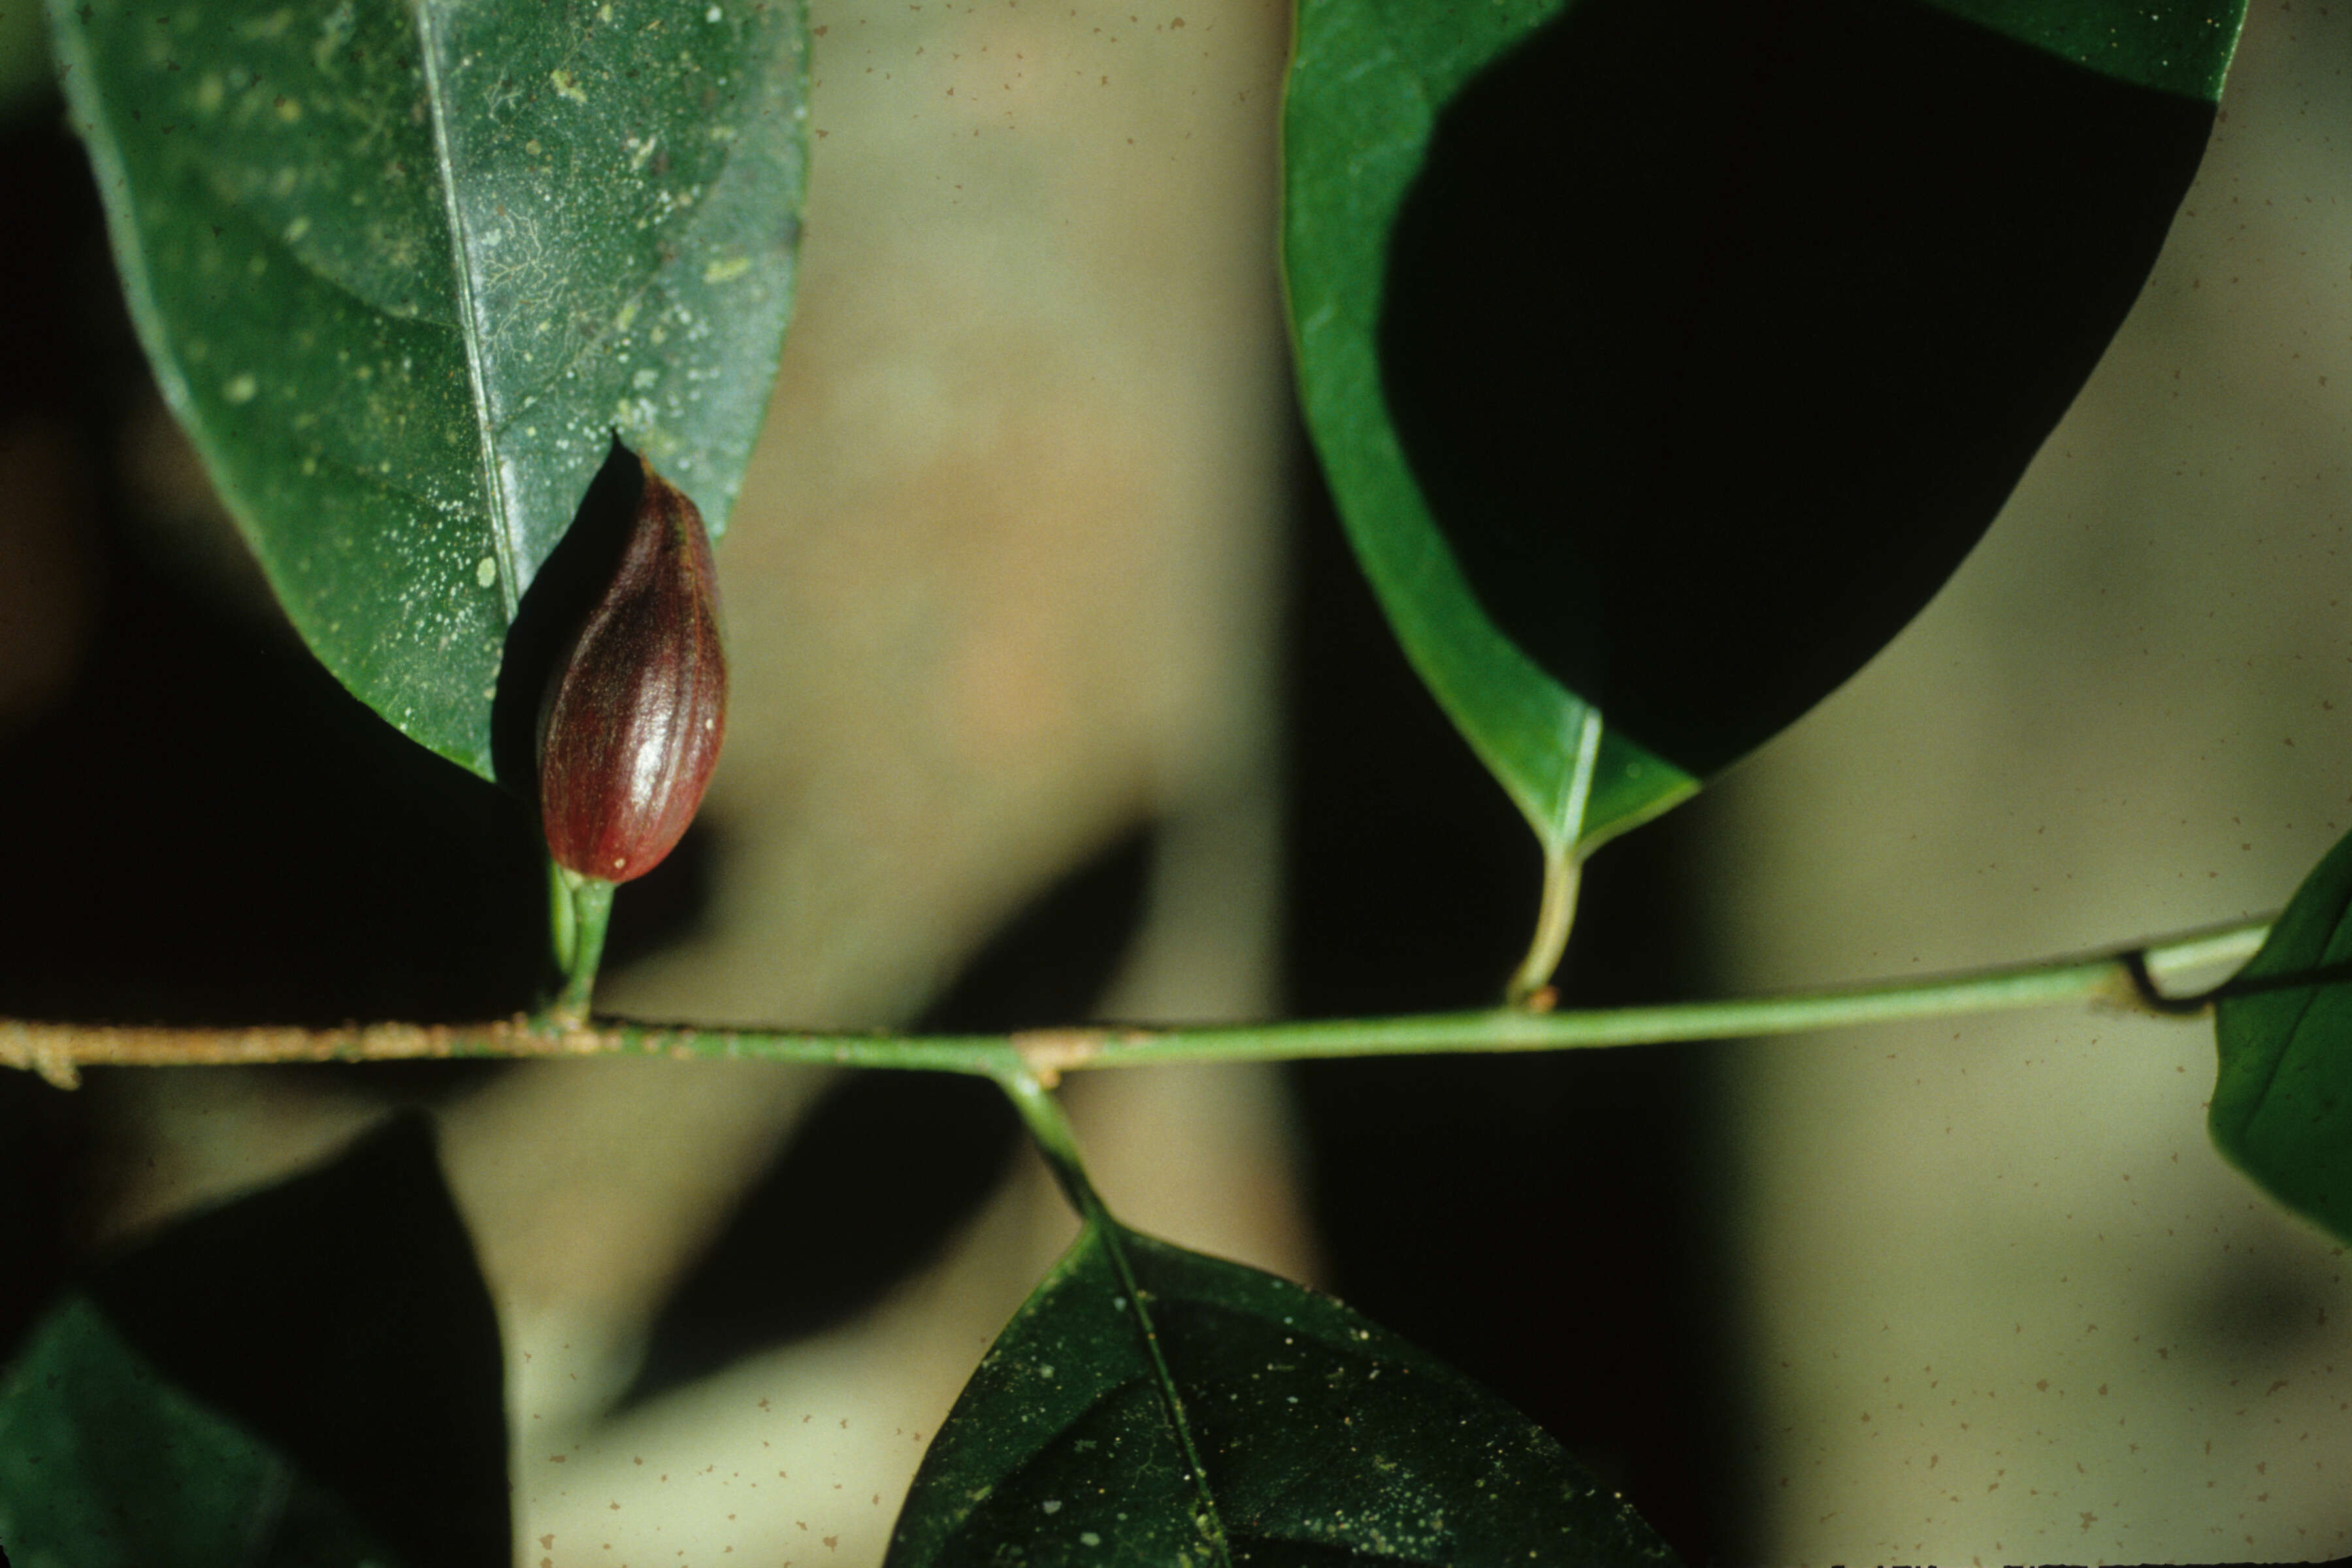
56 1050
2127 978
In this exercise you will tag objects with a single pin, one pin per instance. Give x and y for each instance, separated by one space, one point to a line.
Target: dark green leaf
1213 1414
256 1308
1364 88
105 1463
2282 1108
402 269
1667 354
2175 46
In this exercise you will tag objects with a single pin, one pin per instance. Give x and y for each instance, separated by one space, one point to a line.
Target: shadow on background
904 1159
1552 1225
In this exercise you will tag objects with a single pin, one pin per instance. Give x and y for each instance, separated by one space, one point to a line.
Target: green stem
56 1050
2109 978
1052 1133
1562 874
590 910
563 922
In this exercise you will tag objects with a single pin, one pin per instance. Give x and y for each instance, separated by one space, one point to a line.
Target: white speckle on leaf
1053 1505
486 572
240 388
1088 1538
728 267
567 85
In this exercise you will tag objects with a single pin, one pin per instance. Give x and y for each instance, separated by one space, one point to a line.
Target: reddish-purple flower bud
636 709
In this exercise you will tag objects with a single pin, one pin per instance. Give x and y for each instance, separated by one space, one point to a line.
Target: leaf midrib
1171 1399
469 325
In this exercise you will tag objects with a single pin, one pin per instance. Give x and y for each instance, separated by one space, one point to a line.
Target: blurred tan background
1000 588
2009 1306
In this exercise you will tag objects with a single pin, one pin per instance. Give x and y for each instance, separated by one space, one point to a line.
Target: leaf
201 1389
404 270
1151 1405
1360 105
1666 355
106 1463
2173 46
2282 1108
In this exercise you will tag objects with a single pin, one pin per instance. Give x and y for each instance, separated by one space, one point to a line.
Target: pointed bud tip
636 708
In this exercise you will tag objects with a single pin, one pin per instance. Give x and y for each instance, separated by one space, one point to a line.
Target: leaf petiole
1050 1130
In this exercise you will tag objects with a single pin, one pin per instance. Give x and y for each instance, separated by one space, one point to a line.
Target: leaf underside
1323 1439
1668 356
403 270
2282 1108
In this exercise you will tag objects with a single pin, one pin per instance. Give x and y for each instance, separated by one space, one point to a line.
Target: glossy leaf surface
106 1463
2282 1108
1668 356
1208 1413
404 270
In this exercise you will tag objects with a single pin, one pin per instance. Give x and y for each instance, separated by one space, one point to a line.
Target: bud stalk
630 724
